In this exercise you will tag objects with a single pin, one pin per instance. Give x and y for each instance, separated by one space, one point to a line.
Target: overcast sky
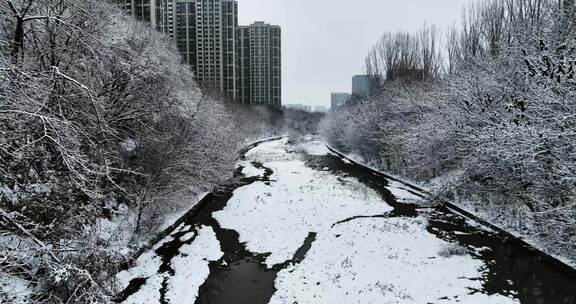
324 42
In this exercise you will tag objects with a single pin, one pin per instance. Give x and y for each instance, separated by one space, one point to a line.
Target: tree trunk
18 39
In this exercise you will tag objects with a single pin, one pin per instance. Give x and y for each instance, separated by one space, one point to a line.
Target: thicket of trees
100 124
406 56
493 117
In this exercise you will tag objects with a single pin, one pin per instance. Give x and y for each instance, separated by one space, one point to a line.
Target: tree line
103 133
484 113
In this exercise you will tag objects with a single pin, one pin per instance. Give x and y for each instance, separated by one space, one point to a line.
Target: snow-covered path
297 230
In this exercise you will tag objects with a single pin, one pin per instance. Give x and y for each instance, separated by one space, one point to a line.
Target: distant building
299 106
205 34
244 63
260 64
361 86
339 99
321 109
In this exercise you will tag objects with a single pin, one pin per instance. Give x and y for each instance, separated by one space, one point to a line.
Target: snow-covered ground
359 254
277 218
381 261
401 192
312 146
516 220
177 213
190 266
249 170
365 260
15 290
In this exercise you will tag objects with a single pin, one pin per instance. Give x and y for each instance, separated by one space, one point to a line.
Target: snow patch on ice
270 151
391 260
314 148
299 201
190 265
249 170
400 191
147 266
149 293
365 260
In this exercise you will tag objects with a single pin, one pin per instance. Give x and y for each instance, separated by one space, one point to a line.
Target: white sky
324 42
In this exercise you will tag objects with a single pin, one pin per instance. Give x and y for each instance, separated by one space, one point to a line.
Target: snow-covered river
300 225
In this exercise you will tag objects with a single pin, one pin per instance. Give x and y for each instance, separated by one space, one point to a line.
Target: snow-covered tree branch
496 129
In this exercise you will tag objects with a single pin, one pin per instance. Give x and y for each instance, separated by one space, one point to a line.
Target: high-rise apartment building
244 63
185 30
361 86
339 99
206 37
159 13
230 48
260 64
244 72
167 21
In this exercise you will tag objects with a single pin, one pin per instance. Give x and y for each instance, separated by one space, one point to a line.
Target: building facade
185 30
244 70
166 22
159 13
321 109
339 99
260 64
361 86
206 35
298 106
242 62
230 48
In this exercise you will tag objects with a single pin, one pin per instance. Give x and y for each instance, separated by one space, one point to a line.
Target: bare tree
98 118
498 129
405 56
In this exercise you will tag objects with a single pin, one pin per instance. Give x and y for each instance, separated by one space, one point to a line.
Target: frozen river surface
300 225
